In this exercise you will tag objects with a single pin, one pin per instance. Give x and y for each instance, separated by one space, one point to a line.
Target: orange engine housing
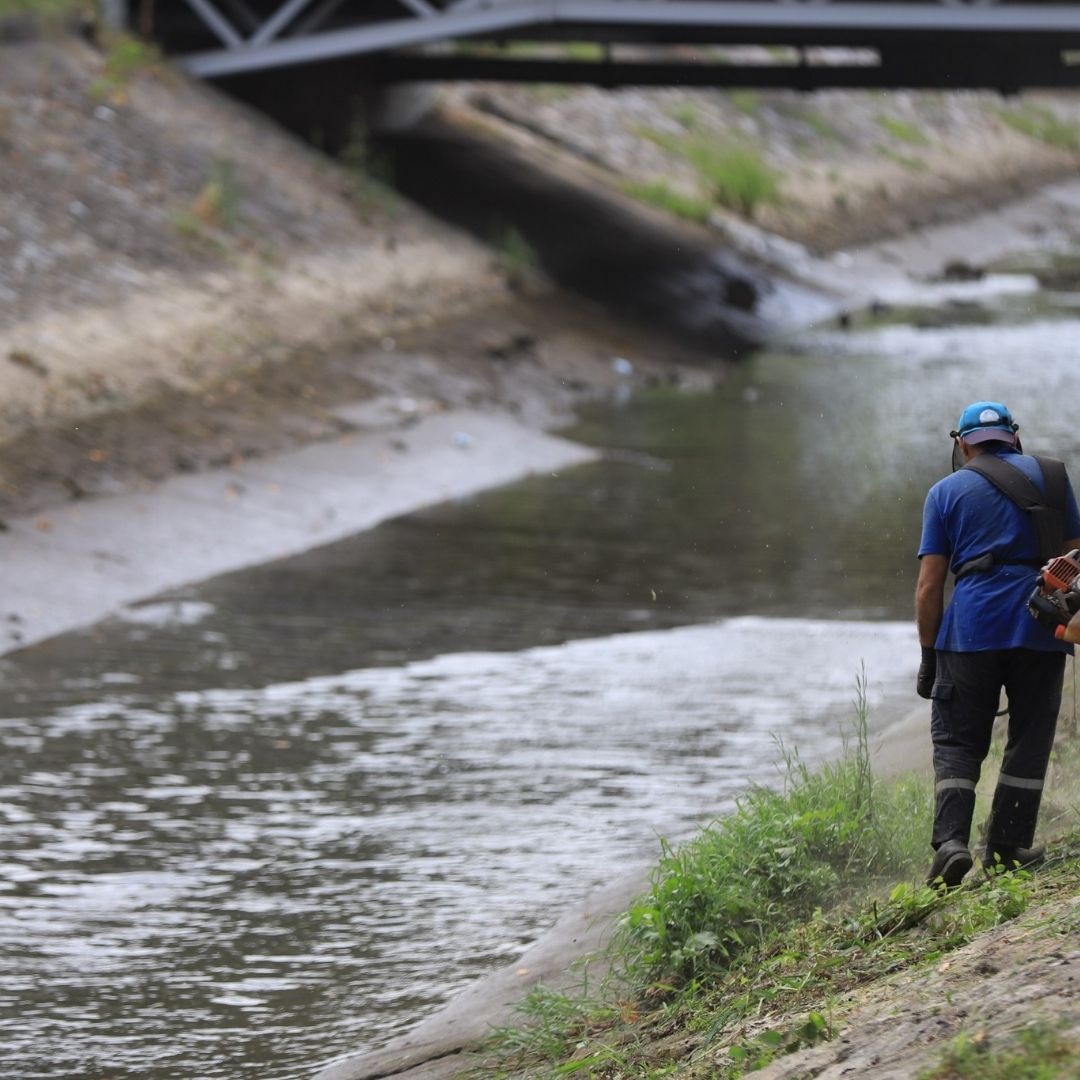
1061 573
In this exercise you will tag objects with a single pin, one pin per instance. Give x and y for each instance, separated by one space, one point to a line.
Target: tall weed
772 862
734 174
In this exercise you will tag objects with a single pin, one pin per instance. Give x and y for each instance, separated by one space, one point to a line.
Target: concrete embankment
158 236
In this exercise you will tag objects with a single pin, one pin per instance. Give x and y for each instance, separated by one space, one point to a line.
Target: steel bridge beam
988 71
870 24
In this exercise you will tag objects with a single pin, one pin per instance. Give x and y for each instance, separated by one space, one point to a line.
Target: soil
1018 975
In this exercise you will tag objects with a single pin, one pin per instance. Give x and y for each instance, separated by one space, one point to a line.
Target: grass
370 175
907 161
583 51
685 113
1042 123
218 201
746 101
733 175
902 131
518 259
1038 1053
820 125
46 11
779 856
748 932
659 194
125 57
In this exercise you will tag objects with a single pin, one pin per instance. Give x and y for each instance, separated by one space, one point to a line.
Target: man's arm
930 597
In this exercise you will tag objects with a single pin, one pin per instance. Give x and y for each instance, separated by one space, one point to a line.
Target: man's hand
924 681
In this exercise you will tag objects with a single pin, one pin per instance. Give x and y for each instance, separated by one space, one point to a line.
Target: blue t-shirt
964 517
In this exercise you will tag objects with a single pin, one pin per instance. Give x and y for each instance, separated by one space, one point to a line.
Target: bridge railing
940 43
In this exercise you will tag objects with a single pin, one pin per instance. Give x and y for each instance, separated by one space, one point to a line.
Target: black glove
924 681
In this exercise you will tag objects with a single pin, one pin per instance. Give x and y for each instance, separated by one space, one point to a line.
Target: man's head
986 421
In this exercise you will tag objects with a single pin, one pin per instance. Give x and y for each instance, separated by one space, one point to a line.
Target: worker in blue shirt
985 640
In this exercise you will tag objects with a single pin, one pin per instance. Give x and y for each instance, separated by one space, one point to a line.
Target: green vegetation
783 54
733 175
820 125
906 160
218 202
1042 123
583 50
531 50
750 930
737 177
660 195
125 57
686 113
46 11
1037 1053
902 131
779 856
746 101
517 257
370 173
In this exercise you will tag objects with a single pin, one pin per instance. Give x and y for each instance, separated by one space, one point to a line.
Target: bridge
933 44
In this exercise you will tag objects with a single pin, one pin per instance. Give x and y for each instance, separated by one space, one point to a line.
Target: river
259 823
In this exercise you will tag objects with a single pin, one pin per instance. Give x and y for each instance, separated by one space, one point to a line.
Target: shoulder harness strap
1047 509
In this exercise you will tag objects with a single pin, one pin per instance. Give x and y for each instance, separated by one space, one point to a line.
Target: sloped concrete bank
157 236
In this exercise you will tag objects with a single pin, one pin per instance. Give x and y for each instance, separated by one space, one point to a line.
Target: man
986 640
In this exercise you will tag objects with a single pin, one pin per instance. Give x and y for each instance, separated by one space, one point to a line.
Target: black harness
1046 509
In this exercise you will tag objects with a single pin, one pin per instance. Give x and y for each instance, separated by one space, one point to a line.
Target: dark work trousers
965 698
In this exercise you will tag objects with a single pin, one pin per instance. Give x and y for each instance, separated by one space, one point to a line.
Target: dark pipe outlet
636 265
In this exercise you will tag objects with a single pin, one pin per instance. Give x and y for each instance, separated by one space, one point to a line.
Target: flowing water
275 818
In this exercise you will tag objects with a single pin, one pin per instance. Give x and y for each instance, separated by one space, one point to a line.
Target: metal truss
311 31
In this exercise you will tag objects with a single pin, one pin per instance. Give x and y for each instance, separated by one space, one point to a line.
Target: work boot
951 862
1013 858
